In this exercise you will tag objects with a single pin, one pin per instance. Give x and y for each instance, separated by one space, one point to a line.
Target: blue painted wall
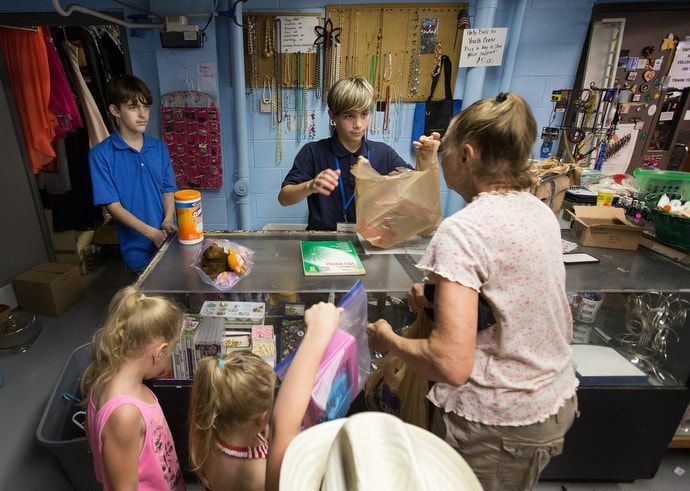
548 52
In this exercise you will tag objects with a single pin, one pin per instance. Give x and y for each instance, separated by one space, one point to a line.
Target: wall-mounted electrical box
181 39
178 33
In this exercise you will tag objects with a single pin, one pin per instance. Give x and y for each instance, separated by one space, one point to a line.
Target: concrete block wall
548 52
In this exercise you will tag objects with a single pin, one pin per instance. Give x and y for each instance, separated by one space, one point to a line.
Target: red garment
27 62
62 101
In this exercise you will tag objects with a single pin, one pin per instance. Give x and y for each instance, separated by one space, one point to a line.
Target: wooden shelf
680 441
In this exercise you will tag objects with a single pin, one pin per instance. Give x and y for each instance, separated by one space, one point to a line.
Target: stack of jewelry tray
263 341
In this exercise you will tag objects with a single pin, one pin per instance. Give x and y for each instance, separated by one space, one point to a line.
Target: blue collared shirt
137 180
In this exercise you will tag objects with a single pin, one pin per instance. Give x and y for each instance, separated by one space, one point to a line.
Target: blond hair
350 95
133 324
502 129
225 396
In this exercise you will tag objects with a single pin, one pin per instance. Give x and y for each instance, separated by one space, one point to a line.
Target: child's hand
322 319
168 226
157 236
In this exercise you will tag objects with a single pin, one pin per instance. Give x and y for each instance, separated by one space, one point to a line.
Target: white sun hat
373 451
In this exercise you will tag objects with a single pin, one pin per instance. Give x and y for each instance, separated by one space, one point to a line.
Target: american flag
463 19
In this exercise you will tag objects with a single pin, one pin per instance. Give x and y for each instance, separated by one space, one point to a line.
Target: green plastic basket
670 229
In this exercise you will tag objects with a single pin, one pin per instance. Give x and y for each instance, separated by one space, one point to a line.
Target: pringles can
190 223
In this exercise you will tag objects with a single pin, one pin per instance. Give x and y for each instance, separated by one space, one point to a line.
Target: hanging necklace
287 69
298 99
379 41
372 76
251 51
413 76
319 72
307 69
279 144
267 91
355 41
269 38
397 120
386 109
348 60
276 69
388 71
335 60
274 108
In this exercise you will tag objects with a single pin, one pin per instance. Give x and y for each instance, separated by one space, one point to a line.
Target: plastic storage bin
58 433
671 229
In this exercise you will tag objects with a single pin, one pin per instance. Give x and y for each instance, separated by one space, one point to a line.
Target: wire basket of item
667 194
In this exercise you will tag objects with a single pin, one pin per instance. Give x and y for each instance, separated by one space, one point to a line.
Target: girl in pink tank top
129 436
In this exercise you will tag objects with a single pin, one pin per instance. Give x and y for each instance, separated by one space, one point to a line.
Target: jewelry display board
281 47
191 131
397 47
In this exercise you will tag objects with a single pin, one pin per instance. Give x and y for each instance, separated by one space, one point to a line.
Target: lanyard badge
348 201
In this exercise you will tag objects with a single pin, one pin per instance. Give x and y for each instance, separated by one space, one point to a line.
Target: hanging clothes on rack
88 69
62 101
27 63
74 114
94 121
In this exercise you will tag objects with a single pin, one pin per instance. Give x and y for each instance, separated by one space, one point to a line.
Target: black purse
485 317
437 114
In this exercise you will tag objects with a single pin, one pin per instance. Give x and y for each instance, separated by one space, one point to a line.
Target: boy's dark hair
126 88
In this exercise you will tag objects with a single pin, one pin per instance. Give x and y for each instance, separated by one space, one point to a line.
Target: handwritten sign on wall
297 33
483 46
679 73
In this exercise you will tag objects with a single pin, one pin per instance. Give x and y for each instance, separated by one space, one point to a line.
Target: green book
330 257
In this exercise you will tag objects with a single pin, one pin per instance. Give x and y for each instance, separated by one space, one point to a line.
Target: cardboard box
49 288
72 246
604 226
106 234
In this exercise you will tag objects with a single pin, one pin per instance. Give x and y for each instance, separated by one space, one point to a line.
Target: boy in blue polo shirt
132 175
321 170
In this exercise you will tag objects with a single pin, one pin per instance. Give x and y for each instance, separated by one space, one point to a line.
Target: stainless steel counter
277 266
623 271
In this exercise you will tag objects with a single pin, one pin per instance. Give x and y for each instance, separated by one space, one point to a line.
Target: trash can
59 434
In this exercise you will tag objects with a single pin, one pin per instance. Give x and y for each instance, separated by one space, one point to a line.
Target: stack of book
201 336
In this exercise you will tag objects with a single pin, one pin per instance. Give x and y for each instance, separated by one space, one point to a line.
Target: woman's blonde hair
133 324
350 95
225 396
502 129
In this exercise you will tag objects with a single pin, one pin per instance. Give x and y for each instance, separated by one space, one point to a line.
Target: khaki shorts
506 457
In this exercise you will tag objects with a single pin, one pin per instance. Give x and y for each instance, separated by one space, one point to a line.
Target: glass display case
633 303
276 278
630 305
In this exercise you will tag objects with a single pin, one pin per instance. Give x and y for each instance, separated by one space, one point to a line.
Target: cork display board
395 46
276 45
